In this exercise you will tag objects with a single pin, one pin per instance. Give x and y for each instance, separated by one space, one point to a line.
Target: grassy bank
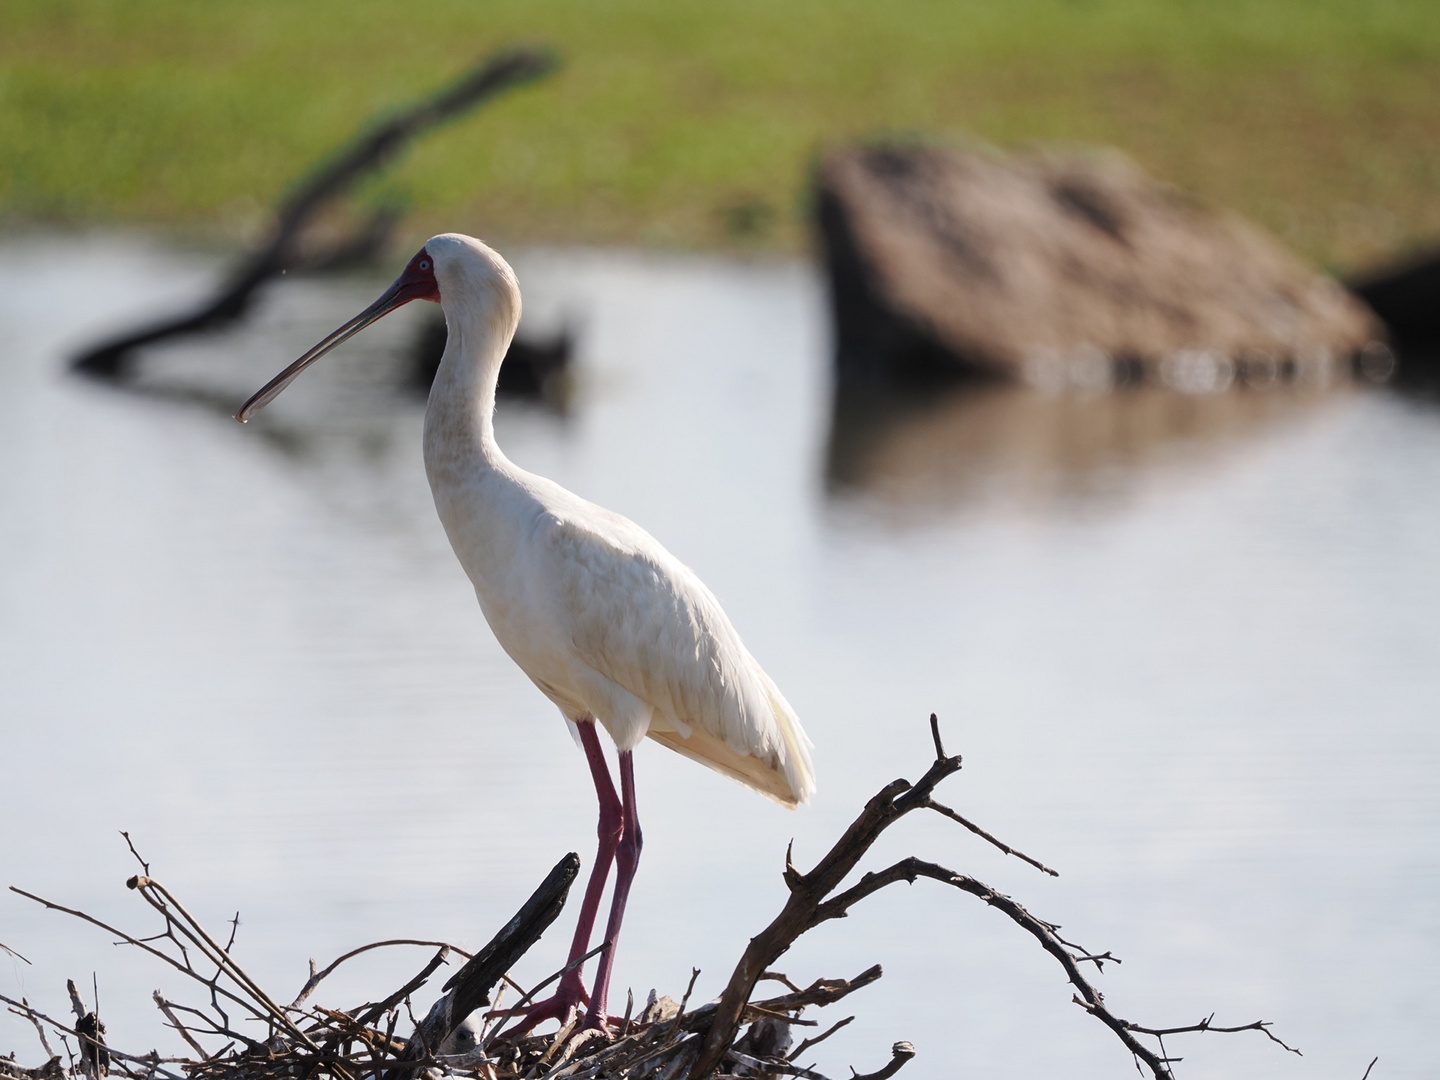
693 123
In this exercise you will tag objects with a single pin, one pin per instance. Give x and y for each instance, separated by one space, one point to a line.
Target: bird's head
458 272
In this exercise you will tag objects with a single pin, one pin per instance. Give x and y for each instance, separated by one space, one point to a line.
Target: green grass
1319 118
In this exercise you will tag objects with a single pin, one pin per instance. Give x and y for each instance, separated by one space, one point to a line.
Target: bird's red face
416 282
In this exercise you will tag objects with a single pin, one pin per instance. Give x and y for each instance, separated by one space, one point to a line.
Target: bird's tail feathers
796 765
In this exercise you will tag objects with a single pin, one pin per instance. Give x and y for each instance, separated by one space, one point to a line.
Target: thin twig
138 943
941 808
900 1053
39 1028
147 1061
316 976
164 1007
1262 1026
144 866
215 952
808 1043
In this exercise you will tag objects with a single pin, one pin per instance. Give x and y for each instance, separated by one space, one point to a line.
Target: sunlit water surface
1188 649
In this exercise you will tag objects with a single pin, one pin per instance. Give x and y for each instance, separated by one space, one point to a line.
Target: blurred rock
1066 269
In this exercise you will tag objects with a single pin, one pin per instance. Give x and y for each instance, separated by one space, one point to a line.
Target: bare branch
941 808
162 900
39 1028
807 892
317 976
164 1007
808 1043
900 1053
935 735
374 1012
144 866
821 992
1208 1024
127 939
149 1062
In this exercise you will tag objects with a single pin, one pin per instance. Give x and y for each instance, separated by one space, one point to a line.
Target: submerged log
1064 268
535 369
1407 296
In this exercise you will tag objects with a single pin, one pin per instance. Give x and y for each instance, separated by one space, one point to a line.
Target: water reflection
937 447
1210 704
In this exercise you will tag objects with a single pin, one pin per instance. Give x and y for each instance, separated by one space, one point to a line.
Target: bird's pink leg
570 993
627 858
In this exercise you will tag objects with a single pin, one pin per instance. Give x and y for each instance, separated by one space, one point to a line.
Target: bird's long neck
459 419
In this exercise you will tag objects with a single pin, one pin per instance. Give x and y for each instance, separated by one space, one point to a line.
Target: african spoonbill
608 624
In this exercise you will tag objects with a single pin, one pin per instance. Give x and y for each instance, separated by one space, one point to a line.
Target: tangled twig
463 1033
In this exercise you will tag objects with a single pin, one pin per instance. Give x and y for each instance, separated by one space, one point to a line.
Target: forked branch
814 900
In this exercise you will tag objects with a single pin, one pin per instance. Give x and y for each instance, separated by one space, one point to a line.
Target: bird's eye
424 264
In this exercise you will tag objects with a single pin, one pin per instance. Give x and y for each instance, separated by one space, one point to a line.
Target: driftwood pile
1067 268
237 1031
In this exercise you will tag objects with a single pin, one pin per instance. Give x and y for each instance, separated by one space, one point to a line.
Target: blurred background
1185 637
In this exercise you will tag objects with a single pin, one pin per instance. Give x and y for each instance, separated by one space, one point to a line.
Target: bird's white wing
643 620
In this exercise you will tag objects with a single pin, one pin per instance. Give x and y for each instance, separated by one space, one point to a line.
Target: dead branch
808 1043
667 1041
282 251
181 965
807 892
168 1011
813 900
40 1031
151 1063
317 976
1208 1024
179 919
900 1053
945 811
94 1056
469 988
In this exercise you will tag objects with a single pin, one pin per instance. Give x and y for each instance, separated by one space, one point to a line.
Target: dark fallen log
534 369
469 988
1063 269
1407 297
286 249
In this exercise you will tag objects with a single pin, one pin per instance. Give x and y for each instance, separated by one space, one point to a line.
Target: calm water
1188 648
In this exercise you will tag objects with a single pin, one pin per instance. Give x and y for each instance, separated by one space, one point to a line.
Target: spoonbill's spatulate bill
608 624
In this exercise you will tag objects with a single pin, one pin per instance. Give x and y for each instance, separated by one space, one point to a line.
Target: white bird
608 624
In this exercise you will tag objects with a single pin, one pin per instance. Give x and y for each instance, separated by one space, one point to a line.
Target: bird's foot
568 1000
598 1021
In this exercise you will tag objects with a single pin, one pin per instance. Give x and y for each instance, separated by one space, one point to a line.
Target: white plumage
605 621
608 624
